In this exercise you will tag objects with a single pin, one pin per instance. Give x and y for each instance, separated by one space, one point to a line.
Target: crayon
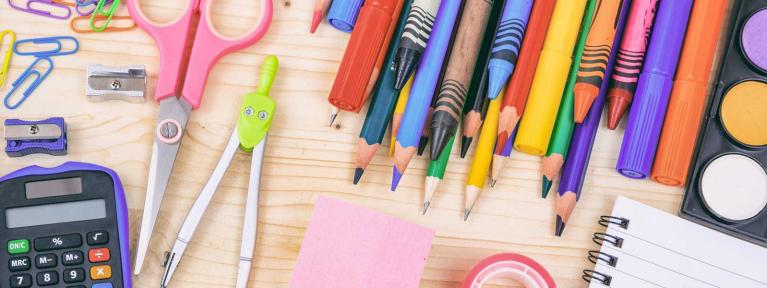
381 106
564 125
364 55
419 25
648 111
475 106
630 58
576 165
399 109
550 78
320 6
343 14
508 40
688 96
423 89
591 73
452 93
435 173
480 166
519 86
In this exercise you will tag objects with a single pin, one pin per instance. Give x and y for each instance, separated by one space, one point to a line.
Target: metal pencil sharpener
47 136
116 83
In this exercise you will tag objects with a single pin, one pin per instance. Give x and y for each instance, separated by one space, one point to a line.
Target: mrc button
17 264
58 242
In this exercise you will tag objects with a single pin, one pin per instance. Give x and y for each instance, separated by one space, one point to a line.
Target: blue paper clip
38 79
41 12
56 51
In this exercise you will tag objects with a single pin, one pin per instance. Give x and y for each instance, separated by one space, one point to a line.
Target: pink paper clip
34 7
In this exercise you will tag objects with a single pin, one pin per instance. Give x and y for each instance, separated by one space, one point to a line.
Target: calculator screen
55 213
52 188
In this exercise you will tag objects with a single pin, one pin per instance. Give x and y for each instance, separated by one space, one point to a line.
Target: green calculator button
18 246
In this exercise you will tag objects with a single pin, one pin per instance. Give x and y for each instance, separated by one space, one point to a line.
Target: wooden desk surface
304 158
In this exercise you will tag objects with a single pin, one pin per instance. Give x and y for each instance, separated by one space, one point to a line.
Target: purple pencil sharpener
47 136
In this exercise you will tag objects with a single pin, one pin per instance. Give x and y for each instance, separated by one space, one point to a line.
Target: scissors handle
210 46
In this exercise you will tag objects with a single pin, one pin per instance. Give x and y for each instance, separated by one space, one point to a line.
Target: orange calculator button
98 255
101 272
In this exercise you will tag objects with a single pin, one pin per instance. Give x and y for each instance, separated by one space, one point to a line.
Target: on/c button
101 272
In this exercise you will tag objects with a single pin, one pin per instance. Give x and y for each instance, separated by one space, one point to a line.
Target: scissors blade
250 224
171 124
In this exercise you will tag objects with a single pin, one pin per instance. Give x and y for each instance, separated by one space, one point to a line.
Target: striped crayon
426 128
413 41
508 40
591 73
399 109
435 173
630 58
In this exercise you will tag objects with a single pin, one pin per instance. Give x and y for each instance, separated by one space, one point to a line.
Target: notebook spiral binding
598 256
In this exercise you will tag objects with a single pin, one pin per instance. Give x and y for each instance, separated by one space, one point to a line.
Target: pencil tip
358 174
465 144
492 183
406 61
466 214
560 226
426 207
396 176
545 187
422 144
332 119
316 19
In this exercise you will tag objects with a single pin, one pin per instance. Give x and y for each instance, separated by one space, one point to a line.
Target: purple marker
654 89
577 161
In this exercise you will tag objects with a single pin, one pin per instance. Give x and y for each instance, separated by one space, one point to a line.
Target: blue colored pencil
508 41
423 88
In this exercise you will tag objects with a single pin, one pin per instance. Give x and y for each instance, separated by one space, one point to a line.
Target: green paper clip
99 11
257 109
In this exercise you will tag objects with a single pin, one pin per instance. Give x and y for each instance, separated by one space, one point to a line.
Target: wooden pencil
480 167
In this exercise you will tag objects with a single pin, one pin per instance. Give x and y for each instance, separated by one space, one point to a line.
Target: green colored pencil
435 173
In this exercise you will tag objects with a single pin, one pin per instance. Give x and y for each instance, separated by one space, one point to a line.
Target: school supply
66 225
550 78
420 22
520 268
46 8
688 96
646 247
482 157
31 71
630 59
117 24
178 94
343 14
7 55
101 11
499 159
582 142
727 188
381 106
508 40
80 4
399 109
348 246
565 123
115 83
364 55
320 6
435 173
58 50
47 136
598 44
648 111
423 89
250 134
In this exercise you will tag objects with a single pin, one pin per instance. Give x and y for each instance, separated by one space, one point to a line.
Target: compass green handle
258 108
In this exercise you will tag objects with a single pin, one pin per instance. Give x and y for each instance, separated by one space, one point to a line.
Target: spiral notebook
646 247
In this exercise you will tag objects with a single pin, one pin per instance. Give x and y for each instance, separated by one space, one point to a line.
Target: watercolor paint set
727 190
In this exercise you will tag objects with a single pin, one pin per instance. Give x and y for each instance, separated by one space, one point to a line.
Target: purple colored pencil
648 111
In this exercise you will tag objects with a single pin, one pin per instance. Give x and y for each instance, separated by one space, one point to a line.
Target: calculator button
98 255
18 246
77 286
19 264
74 275
21 281
102 285
97 238
58 242
45 261
101 272
47 278
72 258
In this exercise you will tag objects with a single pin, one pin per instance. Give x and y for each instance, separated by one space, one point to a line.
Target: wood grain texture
304 159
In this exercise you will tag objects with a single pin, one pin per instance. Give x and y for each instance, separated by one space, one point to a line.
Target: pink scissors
185 72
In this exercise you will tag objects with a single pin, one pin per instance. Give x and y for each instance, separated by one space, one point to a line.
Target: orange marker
599 43
688 96
320 6
364 54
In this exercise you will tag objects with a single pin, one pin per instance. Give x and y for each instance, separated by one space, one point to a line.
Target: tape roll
517 267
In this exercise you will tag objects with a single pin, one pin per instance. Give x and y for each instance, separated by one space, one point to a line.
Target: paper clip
8 54
56 51
85 3
101 12
62 2
120 23
38 79
42 12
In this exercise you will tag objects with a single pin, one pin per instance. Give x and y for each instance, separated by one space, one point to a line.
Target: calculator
64 227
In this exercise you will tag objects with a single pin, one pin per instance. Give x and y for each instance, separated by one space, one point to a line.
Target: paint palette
728 182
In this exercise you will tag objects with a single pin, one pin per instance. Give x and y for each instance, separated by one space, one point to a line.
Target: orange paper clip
80 24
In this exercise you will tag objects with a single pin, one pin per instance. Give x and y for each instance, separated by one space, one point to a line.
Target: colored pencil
519 86
423 89
591 73
452 93
685 109
399 109
648 111
630 58
500 158
480 166
563 127
576 165
424 141
419 25
550 78
381 106
508 40
435 173
320 6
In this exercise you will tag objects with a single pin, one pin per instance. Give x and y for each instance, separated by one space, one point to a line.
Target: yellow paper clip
8 54
120 23
99 11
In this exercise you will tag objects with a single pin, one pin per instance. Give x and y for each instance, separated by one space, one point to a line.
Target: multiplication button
58 242
17 264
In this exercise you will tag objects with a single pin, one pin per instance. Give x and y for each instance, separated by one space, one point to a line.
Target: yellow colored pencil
399 109
480 167
550 78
